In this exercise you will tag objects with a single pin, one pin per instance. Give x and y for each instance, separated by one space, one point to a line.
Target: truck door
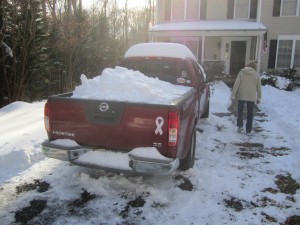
201 85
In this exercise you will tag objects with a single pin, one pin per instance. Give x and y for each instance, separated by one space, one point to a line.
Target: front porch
222 47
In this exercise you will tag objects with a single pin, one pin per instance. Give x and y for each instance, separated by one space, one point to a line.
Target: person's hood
249 71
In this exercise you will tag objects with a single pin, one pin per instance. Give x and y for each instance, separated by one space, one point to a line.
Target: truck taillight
173 126
46 118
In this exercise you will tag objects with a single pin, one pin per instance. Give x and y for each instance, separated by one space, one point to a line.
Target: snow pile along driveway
237 179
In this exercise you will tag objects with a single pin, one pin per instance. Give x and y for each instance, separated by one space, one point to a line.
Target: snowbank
21 131
220 102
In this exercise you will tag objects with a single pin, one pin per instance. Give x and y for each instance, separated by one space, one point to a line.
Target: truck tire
188 161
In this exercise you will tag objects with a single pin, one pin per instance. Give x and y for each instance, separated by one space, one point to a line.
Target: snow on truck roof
171 50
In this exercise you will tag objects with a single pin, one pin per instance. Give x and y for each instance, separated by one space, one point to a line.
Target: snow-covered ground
234 180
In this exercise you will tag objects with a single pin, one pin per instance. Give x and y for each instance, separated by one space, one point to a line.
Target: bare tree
20 31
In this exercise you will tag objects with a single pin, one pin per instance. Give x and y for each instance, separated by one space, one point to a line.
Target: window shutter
203 9
253 9
230 9
276 7
272 54
167 10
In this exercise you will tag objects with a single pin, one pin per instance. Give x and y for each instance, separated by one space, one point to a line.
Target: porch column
259 51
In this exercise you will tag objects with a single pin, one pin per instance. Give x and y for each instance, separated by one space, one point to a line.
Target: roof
213 27
157 49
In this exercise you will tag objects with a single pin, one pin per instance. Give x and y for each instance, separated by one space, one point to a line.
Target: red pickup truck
136 137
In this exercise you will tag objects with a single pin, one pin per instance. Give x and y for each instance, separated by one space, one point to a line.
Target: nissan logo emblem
103 107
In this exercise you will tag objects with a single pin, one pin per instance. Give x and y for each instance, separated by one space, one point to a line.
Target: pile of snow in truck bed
121 84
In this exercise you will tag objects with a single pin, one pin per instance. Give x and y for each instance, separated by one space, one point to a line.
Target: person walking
247 89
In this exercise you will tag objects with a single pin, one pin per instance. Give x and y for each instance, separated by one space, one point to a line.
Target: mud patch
249 155
261 120
250 145
84 198
184 183
268 218
28 213
258 129
250 150
40 186
136 203
265 201
159 205
234 203
286 184
271 190
260 114
238 205
293 220
277 151
222 114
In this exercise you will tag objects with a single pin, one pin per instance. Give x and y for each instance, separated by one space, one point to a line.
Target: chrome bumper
129 162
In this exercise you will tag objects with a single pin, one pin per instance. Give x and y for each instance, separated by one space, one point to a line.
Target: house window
286 8
242 9
284 55
297 55
290 7
288 52
192 12
184 9
177 8
167 10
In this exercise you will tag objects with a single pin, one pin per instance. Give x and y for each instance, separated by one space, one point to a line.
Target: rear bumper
130 162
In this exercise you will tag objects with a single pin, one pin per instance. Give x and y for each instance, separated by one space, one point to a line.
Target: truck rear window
166 69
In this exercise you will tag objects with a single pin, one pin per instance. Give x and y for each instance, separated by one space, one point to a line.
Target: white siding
276 26
216 10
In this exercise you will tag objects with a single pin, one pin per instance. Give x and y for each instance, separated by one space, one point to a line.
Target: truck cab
173 63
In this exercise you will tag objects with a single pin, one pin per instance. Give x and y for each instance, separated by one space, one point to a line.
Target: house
232 32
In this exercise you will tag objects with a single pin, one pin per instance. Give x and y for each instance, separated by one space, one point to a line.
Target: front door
237 56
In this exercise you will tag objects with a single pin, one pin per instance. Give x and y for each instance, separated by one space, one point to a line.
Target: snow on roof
171 50
210 25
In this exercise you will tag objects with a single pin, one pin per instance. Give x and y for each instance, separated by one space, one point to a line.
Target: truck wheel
188 161
206 113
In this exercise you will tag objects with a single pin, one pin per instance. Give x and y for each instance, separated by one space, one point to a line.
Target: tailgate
108 124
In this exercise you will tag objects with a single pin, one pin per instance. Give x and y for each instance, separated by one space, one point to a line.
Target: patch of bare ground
293 220
268 218
222 114
27 213
38 185
238 204
250 150
286 184
80 202
134 205
184 183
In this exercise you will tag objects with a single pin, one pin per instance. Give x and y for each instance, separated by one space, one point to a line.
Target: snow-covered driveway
237 179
